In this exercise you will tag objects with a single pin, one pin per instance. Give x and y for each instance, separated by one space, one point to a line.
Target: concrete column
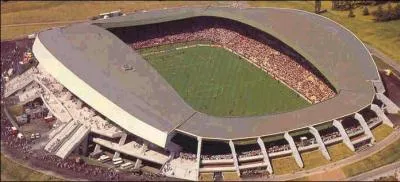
121 142
198 156
265 154
97 148
138 163
391 107
322 146
144 148
345 137
85 145
378 111
293 147
380 88
235 159
364 125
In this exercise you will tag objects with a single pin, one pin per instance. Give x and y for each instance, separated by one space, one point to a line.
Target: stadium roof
95 55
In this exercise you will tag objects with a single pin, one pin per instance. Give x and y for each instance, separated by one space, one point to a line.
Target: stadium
116 83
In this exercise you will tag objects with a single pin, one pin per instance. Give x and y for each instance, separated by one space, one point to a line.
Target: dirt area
334 175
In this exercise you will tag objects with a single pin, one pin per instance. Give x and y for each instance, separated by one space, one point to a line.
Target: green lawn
339 151
386 156
313 159
11 171
382 131
284 165
383 35
218 82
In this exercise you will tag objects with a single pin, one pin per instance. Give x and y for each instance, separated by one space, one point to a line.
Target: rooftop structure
87 60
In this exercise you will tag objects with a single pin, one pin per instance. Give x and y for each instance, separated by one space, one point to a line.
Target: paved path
336 165
43 23
384 58
387 170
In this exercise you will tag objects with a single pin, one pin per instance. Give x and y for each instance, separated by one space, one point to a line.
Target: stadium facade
86 58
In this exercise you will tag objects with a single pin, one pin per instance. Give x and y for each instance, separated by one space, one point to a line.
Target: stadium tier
98 62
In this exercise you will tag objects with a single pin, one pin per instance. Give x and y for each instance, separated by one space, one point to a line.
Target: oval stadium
194 91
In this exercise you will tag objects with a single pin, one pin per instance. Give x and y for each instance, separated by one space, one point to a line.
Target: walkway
387 170
383 57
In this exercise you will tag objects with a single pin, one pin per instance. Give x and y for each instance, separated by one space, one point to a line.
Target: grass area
339 151
61 11
16 110
382 131
220 83
313 159
284 165
206 177
11 171
383 35
386 156
230 176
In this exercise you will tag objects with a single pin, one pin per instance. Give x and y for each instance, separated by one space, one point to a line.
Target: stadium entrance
218 176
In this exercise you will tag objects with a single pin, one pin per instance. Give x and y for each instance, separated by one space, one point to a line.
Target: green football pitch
219 83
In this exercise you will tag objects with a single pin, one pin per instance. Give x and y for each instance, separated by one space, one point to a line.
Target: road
336 165
376 173
43 23
384 58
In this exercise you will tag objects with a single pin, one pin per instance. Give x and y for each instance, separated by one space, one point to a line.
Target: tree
379 13
397 9
351 14
391 14
365 11
317 6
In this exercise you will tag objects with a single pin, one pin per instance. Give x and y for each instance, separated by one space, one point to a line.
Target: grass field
388 155
218 82
339 151
382 131
11 171
16 110
313 159
206 177
383 35
49 12
284 165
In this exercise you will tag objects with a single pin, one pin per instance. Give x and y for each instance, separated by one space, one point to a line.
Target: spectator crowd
259 48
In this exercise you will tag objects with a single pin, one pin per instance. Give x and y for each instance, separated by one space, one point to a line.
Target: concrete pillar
198 156
345 137
144 148
265 154
121 142
320 142
293 147
378 111
391 107
235 159
380 88
365 126
85 146
138 163
97 148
